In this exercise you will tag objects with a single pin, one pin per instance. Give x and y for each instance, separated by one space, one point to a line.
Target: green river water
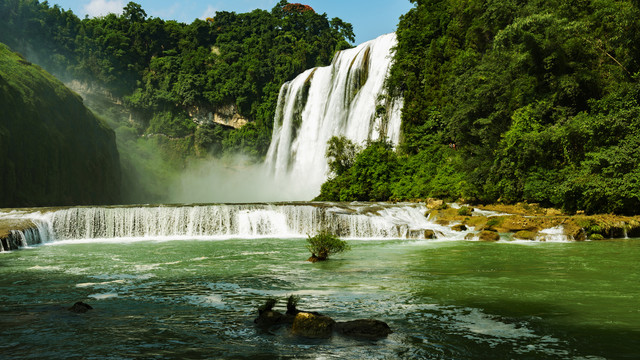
443 299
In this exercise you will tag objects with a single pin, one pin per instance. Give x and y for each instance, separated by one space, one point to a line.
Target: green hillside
540 98
53 150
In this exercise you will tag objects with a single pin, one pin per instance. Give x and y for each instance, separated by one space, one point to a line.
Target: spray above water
346 98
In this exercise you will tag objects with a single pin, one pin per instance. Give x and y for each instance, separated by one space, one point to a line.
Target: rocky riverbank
531 222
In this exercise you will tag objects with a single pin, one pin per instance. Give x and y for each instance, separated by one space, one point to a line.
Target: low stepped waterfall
285 220
346 98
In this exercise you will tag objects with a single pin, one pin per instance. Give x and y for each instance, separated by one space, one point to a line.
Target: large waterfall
346 98
224 221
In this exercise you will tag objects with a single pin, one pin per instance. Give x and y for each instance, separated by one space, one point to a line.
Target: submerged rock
80 308
312 325
363 328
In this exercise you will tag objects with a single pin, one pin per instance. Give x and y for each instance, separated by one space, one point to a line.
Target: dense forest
53 150
504 100
508 101
160 73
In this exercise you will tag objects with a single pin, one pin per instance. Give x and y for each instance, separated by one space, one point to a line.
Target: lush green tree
524 90
166 67
324 244
341 154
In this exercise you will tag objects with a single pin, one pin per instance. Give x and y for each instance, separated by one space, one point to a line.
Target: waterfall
225 221
21 239
346 98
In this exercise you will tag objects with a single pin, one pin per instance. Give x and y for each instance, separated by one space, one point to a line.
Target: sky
370 18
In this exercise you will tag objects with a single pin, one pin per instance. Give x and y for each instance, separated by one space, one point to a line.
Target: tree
341 154
324 244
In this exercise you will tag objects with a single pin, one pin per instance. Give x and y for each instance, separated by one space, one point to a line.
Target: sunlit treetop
297 7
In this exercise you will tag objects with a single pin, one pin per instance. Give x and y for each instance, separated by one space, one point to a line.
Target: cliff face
53 150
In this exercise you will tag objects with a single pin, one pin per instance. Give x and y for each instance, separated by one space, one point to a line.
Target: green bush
465 211
325 244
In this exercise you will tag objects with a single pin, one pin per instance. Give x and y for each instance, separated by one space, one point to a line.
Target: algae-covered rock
435 204
312 325
487 235
525 235
459 227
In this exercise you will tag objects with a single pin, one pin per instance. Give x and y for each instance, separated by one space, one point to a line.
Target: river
444 299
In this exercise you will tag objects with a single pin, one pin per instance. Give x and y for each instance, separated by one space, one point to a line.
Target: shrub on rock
325 244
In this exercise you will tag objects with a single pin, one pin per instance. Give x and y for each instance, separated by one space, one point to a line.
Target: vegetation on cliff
151 78
53 150
166 69
510 101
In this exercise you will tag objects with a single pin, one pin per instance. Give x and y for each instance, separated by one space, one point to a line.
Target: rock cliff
53 150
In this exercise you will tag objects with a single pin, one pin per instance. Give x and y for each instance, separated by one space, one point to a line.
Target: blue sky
370 18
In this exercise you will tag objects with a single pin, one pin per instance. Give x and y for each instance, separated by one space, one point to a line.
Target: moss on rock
525 235
53 150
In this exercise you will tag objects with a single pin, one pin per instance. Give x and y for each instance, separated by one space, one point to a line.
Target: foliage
324 244
341 154
292 304
539 97
53 150
370 177
268 305
171 68
465 211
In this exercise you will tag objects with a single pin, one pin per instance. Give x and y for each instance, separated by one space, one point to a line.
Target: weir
282 220
346 98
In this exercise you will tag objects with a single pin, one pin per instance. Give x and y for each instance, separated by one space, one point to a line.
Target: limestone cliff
53 150
225 115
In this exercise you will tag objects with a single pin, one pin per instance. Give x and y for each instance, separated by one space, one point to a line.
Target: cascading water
286 220
346 98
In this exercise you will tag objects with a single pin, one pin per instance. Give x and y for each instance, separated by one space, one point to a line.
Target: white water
292 220
340 99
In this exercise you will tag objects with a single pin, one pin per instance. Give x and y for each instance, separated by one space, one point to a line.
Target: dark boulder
272 318
363 328
80 308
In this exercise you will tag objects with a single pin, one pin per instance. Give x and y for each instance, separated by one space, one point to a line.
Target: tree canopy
540 99
171 68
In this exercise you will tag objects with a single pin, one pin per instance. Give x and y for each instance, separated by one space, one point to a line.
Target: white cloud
103 7
210 12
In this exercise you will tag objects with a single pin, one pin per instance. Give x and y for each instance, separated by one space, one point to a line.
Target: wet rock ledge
17 233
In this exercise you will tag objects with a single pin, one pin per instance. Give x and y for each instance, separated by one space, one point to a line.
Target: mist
233 179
